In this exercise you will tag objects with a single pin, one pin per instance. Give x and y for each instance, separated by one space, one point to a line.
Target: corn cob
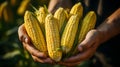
77 9
41 15
2 6
60 15
53 38
8 14
23 6
69 33
34 31
88 23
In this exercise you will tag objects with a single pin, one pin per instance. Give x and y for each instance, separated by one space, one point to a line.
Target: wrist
101 36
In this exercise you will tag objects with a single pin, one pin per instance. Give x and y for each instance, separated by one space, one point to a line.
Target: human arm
108 29
111 26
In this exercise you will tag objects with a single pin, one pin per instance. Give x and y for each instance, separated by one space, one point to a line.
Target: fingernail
26 40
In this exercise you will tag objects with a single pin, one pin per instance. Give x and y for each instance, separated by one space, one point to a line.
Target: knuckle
32 53
42 55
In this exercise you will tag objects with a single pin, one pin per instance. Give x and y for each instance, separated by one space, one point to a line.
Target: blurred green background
12 53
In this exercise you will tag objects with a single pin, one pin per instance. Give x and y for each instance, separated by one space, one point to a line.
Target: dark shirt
104 8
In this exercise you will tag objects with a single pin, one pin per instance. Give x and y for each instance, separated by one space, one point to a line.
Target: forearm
54 4
110 27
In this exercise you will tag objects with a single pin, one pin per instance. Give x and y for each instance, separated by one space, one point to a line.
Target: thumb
87 42
26 39
84 45
23 36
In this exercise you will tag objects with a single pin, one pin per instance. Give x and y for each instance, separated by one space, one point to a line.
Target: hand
86 48
55 4
36 54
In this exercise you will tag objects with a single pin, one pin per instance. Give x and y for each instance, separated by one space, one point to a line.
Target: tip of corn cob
77 9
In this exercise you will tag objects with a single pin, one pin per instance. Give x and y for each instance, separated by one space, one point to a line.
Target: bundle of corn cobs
58 35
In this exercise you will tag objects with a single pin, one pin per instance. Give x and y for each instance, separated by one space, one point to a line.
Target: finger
32 50
88 41
84 45
46 60
23 34
20 32
69 64
82 56
37 59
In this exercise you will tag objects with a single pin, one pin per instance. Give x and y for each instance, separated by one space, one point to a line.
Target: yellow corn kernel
41 15
34 31
69 33
88 23
60 15
53 38
77 9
